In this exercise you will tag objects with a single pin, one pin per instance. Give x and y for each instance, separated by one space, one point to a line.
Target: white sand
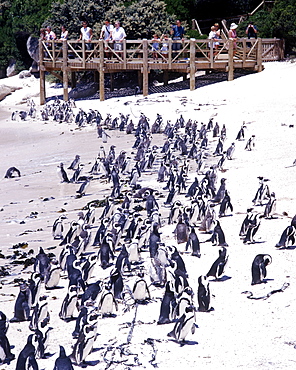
239 333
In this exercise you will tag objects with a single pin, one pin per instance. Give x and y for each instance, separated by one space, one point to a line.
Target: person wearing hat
233 36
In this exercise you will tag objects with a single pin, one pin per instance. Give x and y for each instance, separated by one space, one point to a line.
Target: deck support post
101 71
230 61
259 55
165 77
65 72
145 67
41 73
192 64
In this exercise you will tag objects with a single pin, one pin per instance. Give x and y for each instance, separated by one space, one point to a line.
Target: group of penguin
128 247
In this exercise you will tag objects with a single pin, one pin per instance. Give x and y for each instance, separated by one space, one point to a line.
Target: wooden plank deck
192 56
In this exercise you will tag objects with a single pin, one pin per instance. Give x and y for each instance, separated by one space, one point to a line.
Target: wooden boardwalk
194 55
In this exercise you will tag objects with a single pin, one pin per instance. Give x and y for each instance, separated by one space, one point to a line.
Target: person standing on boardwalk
177 33
86 34
251 32
118 36
106 35
233 36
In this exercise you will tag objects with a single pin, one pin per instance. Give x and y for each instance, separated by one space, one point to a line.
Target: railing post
101 71
230 60
244 52
170 54
83 54
65 71
53 54
192 64
212 53
41 73
124 54
145 67
259 54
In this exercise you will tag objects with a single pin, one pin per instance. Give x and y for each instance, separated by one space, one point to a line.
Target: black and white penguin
270 206
107 302
116 281
250 143
259 268
26 359
225 204
73 166
91 293
253 227
217 268
221 192
154 240
193 243
23 304
40 316
53 276
12 172
83 187
245 224
184 325
34 286
184 300
58 227
122 262
262 193
241 133
42 263
63 362
140 289
203 294
230 151
69 304
105 253
181 231
5 354
218 236
62 173
168 305
288 237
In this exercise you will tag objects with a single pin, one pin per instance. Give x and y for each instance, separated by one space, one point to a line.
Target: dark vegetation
142 18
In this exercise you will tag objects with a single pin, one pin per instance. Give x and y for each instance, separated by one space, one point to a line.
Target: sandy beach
239 332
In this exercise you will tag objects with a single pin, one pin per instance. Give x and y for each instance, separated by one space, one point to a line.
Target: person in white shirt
86 34
50 35
118 35
106 35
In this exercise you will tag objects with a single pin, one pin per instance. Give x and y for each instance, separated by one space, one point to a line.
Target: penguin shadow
289 247
185 342
55 287
85 364
223 278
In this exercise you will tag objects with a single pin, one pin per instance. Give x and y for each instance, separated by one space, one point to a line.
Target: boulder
10 70
24 74
84 91
7 90
33 48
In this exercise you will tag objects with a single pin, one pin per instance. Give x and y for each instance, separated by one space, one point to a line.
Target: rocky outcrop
84 91
7 90
10 70
33 48
24 74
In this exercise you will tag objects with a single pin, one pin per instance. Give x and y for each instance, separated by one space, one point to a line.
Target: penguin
122 261
12 172
107 301
84 345
193 243
230 151
259 268
40 316
176 257
53 277
250 143
168 305
262 192
221 192
203 294
219 148
117 283
270 206
217 268
5 354
241 133
105 253
140 290
225 204
181 231
58 228
154 240
23 304
26 359
184 325
244 227
63 362
88 267
218 236
62 173
133 251
288 237
253 227
91 293
42 263
74 165
171 195
184 299
34 286
193 189
69 304
82 189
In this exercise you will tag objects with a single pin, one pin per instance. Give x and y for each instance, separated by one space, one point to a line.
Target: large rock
7 90
24 74
10 70
33 48
84 91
